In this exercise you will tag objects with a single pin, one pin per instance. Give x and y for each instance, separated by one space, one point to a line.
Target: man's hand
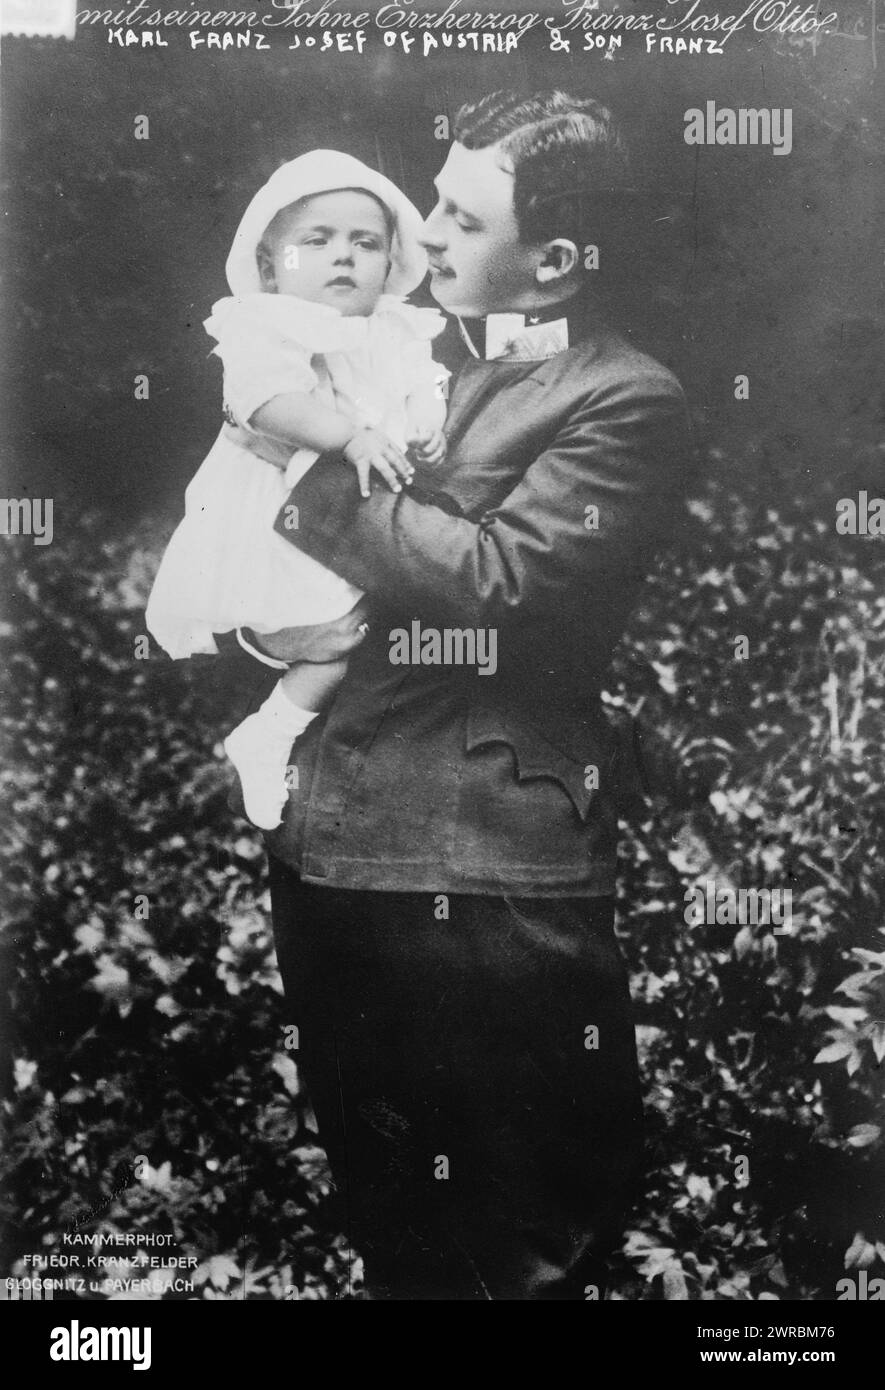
428 446
320 641
370 449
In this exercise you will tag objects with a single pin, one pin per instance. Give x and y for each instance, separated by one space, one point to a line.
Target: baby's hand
369 449
428 445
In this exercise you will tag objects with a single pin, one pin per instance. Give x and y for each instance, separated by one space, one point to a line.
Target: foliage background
148 1086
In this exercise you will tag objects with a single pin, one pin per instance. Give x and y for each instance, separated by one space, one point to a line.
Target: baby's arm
270 384
299 420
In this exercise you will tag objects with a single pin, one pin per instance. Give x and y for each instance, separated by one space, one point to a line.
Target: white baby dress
225 566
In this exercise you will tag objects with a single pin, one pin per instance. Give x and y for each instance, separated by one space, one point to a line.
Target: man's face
478 264
334 250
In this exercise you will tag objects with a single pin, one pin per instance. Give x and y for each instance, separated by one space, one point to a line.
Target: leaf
856 986
860 1254
24 1073
75 1096
778 1275
862 1135
675 1287
700 1188
846 1016
168 969
113 983
690 854
91 935
219 1271
252 1281
245 848
287 1071
160 1179
135 934
835 1051
874 958
666 676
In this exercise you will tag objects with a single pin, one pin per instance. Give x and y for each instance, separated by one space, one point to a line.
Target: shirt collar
529 337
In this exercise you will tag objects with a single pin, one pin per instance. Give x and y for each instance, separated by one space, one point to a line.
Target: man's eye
465 226
314 241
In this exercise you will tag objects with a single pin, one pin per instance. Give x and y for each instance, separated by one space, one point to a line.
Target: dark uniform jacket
562 475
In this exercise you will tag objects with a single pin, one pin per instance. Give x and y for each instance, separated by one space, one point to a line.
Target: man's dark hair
568 156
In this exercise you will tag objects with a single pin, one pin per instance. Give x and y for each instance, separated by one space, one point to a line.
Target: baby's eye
367 244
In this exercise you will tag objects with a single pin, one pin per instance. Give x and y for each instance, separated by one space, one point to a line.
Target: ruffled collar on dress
322 327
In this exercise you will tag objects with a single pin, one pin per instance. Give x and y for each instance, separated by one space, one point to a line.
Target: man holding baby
443 880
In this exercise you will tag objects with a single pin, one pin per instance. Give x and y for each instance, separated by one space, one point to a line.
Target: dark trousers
484 1140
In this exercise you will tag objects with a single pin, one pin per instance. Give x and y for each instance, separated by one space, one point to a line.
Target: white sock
259 749
288 717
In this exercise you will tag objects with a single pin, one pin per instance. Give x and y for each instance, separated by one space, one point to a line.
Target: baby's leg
261 746
310 684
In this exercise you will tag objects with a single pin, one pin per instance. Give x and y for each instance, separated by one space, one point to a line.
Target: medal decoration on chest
534 342
502 331
517 338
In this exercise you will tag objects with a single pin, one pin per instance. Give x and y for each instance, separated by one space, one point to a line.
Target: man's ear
266 272
559 258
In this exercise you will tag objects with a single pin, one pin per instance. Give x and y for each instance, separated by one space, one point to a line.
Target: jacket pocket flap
534 754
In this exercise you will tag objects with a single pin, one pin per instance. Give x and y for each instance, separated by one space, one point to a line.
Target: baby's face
335 249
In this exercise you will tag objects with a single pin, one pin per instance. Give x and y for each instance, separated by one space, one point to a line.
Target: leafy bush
149 1025
769 772
150 1089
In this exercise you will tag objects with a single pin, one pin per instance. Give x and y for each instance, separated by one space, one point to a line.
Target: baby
320 352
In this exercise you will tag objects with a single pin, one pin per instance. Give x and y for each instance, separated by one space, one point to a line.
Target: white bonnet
324 171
